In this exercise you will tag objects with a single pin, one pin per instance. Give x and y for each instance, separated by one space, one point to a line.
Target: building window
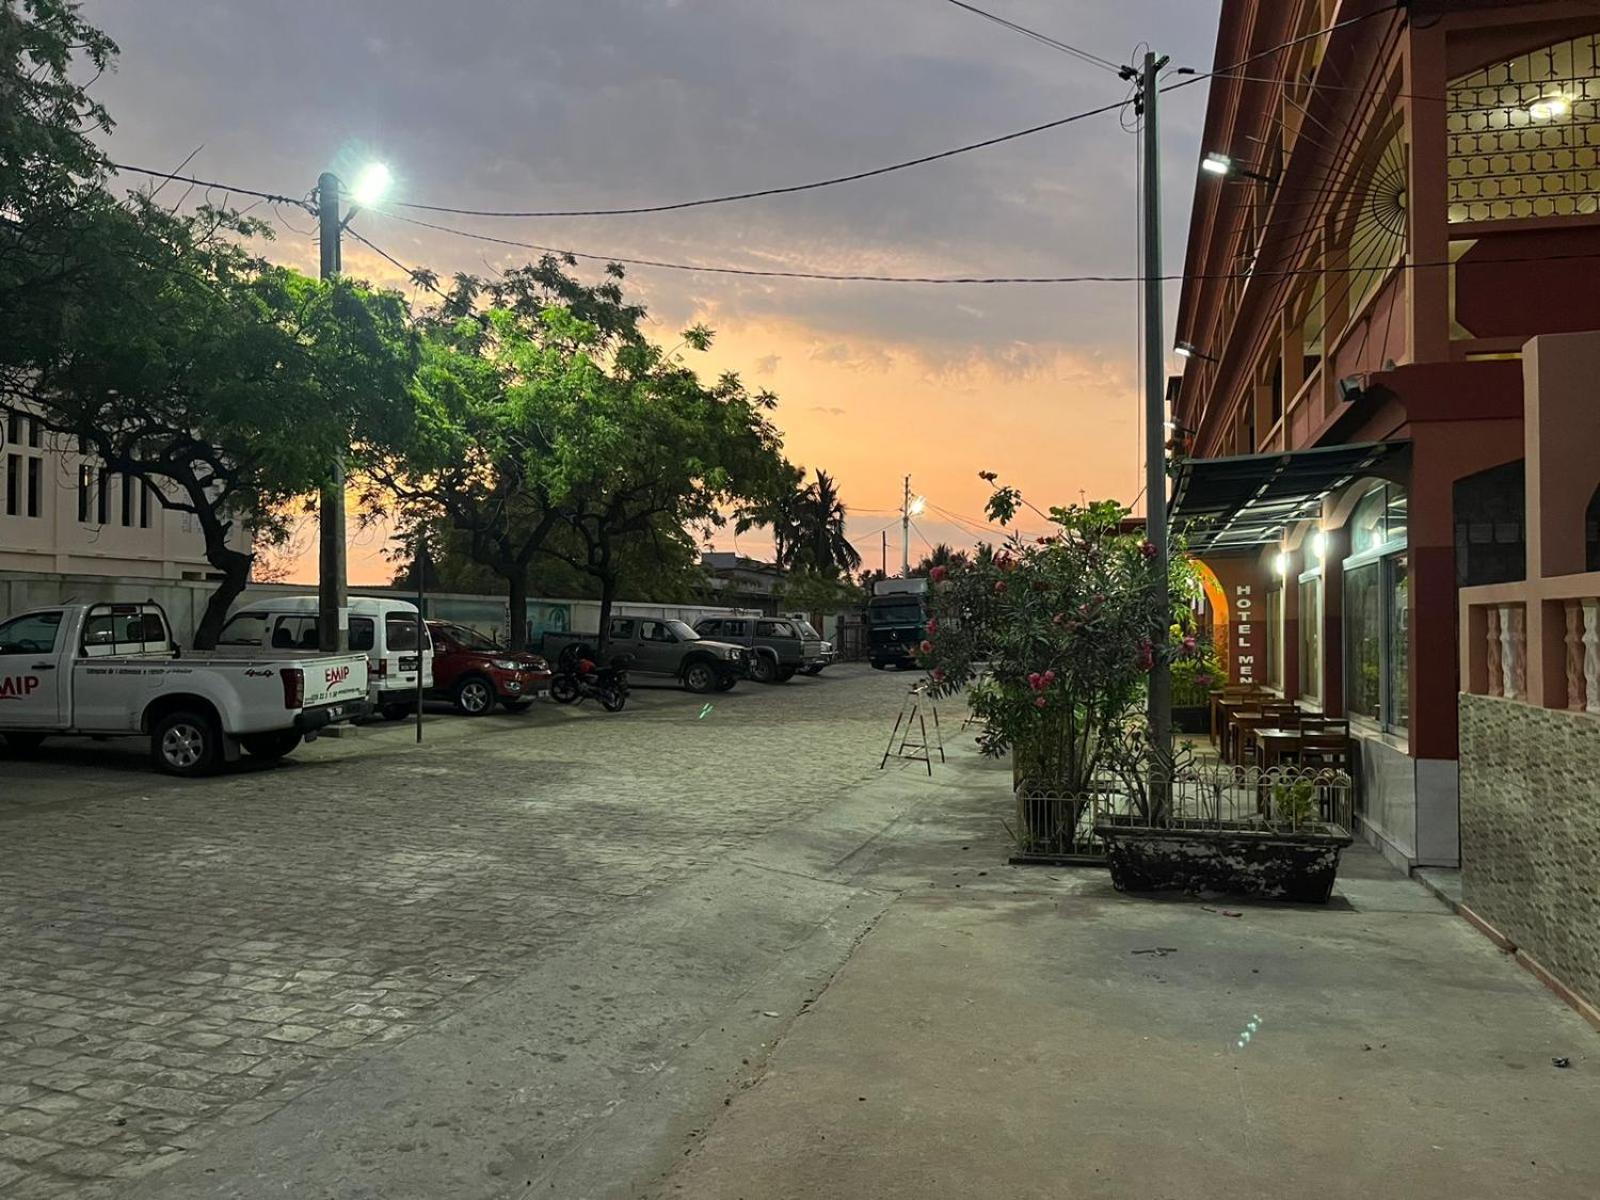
1377 631
85 487
1273 640
35 433
128 482
1490 513
146 499
1311 639
1524 135
102 506
13 484
13 427
35 486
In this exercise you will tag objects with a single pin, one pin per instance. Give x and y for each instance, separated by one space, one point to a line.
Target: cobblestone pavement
185 956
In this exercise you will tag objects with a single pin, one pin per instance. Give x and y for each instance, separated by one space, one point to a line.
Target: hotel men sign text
1242 634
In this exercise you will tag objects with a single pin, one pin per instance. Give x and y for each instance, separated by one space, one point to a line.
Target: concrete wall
1530 831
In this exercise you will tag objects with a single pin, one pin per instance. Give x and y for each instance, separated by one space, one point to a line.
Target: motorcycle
578 678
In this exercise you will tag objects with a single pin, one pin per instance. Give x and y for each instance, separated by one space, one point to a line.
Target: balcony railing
1537 642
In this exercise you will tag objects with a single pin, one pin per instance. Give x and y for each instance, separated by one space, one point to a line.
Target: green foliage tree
225 383
807 521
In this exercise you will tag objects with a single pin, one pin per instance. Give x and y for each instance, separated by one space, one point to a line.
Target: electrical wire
1092 59
270 197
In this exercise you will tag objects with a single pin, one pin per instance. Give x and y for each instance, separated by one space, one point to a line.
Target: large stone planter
1235 858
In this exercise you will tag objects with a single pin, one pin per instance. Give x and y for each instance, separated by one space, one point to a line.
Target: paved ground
185 957
1029 1047
573 955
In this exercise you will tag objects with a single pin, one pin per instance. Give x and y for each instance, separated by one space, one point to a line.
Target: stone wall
1530 831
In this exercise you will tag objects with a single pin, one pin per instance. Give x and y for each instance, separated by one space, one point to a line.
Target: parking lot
186 956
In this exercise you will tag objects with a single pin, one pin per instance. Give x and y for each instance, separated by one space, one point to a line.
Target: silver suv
778 647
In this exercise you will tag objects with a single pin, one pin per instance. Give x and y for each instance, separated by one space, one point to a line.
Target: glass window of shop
1377 630
1311 639
1272 639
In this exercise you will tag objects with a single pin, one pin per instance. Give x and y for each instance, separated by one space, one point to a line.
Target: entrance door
32 684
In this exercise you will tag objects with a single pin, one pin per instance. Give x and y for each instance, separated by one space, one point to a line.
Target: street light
333 589
918 505
1219 164
1187 350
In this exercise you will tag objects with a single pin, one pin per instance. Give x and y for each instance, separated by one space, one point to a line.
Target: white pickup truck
108 670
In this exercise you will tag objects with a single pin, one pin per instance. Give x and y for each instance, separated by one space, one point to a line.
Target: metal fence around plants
1054 827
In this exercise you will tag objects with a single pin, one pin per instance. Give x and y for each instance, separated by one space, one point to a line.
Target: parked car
110 670
778 647
384 630
655 646
825 655
475 671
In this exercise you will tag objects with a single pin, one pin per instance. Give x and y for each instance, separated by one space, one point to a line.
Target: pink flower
1203 680
938 675
1033 680
933 625
938 574
1040 702
1059 619
1189 644
1147 548
1049 677
927 646
1000 586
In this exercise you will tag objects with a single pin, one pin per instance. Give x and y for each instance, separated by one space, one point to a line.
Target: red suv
475 671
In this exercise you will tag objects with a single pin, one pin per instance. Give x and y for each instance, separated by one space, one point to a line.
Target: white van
384 630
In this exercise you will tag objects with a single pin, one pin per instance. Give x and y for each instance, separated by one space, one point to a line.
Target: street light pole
905 532
1155 421
333 603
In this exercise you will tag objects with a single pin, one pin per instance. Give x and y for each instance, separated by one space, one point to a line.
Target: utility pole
905 532
885 567
333 600
1155 421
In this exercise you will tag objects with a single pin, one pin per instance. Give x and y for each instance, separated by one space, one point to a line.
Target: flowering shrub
1068 627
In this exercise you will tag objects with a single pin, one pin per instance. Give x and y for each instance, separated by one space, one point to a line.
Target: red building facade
1397 200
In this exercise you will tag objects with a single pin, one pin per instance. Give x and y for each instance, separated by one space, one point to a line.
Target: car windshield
681 631
471 639
807 630
902 612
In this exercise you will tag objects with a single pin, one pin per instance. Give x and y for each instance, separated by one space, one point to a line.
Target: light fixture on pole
333 590
910 506
1188 350
1221 165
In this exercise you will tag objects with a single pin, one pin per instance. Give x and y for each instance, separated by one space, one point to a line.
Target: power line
271 197
1055 44
1196 76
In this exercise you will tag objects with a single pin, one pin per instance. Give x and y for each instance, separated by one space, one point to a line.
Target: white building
64 514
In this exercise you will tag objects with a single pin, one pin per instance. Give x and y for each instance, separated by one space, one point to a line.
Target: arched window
1524 135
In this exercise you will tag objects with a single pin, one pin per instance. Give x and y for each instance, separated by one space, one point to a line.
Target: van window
362 633
296 633
655 631
400 631
708 627
244 629
733 628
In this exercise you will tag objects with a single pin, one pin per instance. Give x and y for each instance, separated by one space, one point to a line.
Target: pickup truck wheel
22 743
726 681
700 677
815 669
474 696
271 745
394 712
764 669
185 743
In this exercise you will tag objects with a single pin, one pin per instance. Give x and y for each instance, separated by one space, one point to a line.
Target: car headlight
505 664
735 652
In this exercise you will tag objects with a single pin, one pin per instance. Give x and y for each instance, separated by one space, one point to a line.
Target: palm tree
822 545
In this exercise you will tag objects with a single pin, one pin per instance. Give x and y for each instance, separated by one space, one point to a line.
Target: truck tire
474 696
726 681
185 743
764 669
273 745
878 664
395 712
815 668
22 743
700 676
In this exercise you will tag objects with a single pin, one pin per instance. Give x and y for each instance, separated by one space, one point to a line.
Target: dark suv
779 648
476 671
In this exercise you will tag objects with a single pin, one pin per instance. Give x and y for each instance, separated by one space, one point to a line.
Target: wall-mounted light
1187 350
1319 545
1280 564
1217 164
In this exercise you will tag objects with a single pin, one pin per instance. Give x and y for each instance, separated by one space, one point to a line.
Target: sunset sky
607 103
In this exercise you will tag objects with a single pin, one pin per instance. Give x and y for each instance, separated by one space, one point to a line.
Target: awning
1249 500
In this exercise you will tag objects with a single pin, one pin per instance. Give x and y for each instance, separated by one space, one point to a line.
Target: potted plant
1058 634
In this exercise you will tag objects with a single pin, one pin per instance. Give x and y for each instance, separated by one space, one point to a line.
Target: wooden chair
1325 747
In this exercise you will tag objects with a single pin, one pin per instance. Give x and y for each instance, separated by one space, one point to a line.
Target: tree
225 383
808 527
50 167
672 454
511 379
942 556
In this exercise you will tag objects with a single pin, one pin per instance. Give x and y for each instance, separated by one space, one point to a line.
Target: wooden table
1242 720
1274 744
1222 710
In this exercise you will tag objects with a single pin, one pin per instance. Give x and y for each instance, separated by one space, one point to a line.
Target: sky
606 103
